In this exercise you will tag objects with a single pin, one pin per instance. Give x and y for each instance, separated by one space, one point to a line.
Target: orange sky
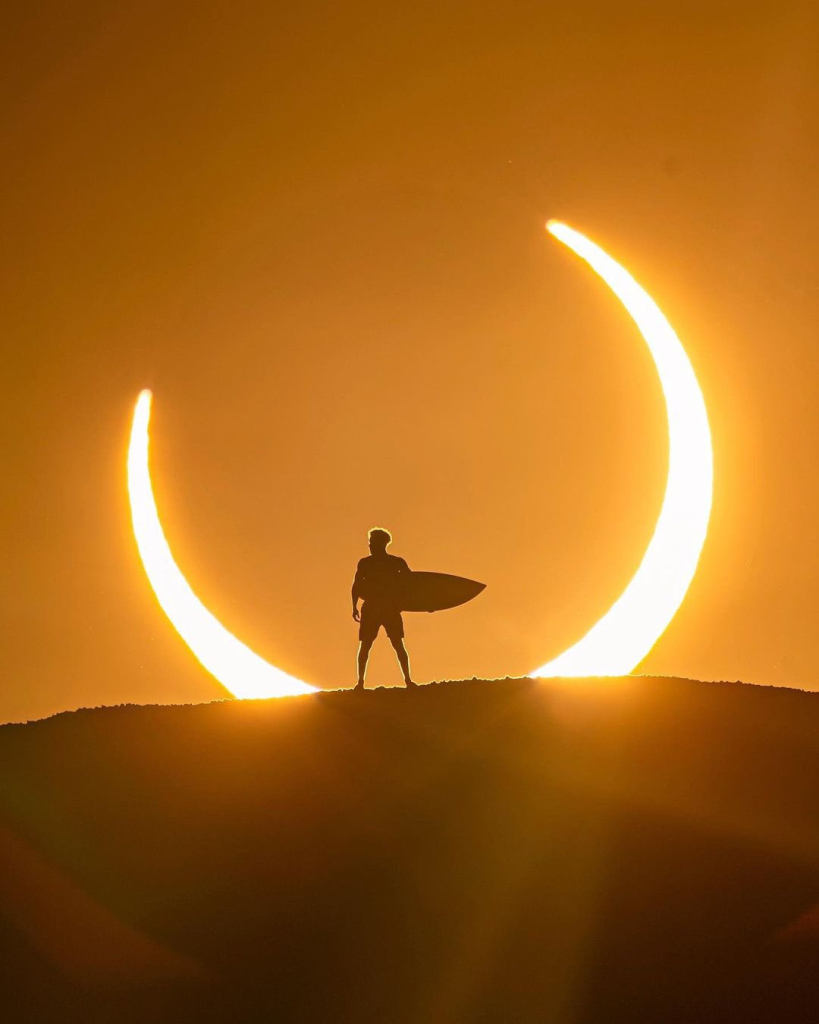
318 237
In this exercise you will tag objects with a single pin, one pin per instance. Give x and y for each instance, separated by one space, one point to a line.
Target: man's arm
356 592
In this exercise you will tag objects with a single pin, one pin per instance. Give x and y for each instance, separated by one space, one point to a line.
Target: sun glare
634 623
236 667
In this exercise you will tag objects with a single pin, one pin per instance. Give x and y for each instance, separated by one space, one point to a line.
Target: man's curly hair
379 538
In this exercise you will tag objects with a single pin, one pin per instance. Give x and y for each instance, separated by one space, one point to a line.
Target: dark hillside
636 850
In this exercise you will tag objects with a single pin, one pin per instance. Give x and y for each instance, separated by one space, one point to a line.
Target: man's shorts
373 618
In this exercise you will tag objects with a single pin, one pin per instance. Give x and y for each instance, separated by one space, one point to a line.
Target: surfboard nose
437 591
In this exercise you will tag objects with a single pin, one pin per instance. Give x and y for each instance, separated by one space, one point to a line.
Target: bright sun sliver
622 638
236 667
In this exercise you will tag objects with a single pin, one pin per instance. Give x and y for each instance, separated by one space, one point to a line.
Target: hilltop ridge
636 849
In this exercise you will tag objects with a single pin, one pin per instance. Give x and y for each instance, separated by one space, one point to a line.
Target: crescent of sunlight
238 668
630 628
620 639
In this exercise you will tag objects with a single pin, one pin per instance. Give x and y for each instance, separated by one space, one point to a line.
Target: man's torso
379 578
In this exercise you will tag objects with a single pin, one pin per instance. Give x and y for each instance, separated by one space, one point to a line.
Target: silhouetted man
377 581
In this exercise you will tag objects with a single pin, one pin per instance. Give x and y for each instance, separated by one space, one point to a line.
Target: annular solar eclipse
615 645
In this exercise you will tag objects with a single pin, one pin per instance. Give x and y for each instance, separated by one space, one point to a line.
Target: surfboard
436 591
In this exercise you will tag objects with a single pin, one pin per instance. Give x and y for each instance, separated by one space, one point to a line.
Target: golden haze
317 234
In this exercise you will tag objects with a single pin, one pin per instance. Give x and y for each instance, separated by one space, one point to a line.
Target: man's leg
403 658
363 656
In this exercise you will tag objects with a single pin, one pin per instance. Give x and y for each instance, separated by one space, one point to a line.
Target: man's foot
359 685
410 684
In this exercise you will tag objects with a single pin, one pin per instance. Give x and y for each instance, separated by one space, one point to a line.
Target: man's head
379 540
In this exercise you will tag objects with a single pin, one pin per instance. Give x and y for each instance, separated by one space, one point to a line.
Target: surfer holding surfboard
388 586
377 582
